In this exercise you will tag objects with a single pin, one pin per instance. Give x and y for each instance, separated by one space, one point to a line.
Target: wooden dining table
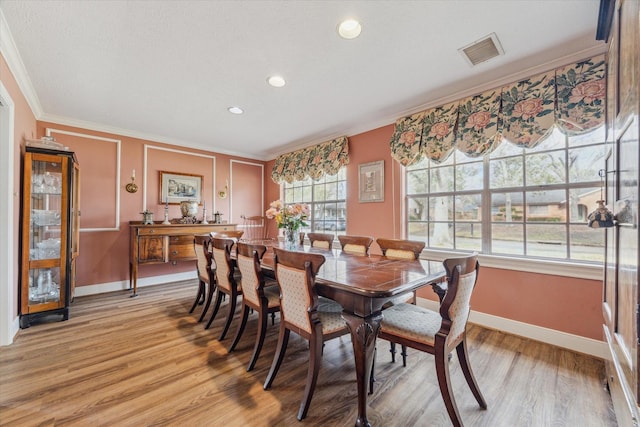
362 284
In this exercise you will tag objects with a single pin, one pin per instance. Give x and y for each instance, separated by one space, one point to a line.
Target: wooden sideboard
160 244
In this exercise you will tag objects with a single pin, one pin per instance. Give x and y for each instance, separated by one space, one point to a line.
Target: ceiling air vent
482 50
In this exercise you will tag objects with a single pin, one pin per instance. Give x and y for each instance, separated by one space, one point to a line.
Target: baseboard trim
549 336
123 285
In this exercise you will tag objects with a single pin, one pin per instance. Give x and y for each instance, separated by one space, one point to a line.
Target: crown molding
98 127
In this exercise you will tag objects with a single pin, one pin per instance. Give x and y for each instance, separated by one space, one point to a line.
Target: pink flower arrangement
291 217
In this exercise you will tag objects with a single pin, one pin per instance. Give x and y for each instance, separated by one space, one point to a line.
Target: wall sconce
132 187
223 193
602 217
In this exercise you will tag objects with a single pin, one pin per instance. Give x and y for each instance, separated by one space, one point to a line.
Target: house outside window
326 198
536 200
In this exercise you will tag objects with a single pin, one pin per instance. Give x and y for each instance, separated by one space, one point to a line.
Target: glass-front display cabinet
50 224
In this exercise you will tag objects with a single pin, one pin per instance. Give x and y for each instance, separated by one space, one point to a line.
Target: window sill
551 267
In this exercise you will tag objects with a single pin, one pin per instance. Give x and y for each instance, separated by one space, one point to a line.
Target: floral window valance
523 113
314 162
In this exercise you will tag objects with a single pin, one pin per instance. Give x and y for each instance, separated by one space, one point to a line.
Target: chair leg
392 350
262 328
278 357
233 299
372 378
442 370
243 323
216 307
212 288
461 349
199 296
403 352
315 360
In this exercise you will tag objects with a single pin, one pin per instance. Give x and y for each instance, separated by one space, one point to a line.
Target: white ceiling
168 70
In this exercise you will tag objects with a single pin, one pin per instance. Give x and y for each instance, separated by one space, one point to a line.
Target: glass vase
290 238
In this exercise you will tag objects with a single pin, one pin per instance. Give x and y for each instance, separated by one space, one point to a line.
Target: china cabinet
49 234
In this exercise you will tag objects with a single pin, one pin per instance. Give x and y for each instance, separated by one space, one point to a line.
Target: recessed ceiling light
276 81
349 29
235 110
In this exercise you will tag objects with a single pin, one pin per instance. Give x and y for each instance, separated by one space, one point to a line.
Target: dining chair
320 240
400 249
255 228
438 333
206 276
258 293
301 313
227 280
355 244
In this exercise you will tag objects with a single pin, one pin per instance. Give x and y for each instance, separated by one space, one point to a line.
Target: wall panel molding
148 147
118 142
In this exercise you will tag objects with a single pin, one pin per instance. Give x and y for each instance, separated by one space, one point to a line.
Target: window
536 200
326 198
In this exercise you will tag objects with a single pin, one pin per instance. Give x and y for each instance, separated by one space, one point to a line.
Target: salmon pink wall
24 127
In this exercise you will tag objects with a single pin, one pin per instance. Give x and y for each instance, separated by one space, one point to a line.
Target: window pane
417 182
552 142
546 240
417 209
441 179
546 206
507 207
468 207
507 239
505 149
506 173
585 162
440 235
469 176
441 208
586 243
595 136
582 201
423 163
546 168
469 236
417 231
307 194
342 190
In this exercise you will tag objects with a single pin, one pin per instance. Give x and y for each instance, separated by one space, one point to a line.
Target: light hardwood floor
145 361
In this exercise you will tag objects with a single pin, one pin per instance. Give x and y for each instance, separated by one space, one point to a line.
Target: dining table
362 284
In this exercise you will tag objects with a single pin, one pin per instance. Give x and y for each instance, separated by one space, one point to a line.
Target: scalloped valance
522 113
325 158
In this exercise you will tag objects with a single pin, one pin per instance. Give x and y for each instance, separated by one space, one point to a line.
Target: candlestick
166 214
204 216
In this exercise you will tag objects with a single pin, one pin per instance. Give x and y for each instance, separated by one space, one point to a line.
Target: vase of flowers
290 218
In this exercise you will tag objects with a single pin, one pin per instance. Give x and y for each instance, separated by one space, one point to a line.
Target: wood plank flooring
145 361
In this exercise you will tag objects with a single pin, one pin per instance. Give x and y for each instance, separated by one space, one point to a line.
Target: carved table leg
364 331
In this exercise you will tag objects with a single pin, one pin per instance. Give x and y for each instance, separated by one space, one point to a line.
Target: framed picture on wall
176 187
371 182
